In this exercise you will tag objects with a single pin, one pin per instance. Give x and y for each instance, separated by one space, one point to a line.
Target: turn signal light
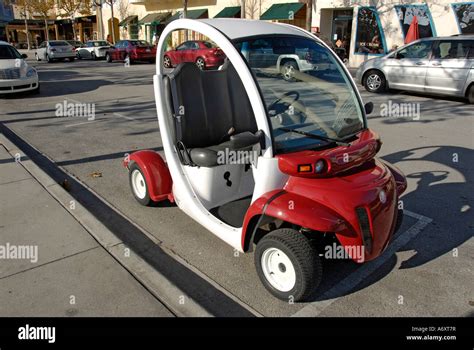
305 168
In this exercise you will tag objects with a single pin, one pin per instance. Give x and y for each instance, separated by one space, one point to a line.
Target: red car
134 50
203 53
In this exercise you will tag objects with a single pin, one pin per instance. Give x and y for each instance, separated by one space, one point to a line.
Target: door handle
420 63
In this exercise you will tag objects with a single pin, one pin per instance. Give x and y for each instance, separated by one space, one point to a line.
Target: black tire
374 81
145 200
36 91
470 94
288 69
108 58
49 59
304 258
201 63
93 56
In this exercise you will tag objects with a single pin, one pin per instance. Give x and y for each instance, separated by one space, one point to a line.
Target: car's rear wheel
288 70
108 58
138 185
287 264
93 56
374 81
167 62
470 94
201 63
49 59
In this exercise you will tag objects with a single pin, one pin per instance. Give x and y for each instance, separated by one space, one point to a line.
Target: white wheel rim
200 63
138 184
278 269
167 62
374 81
289 71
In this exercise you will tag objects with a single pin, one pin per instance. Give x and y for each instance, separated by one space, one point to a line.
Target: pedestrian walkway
49 263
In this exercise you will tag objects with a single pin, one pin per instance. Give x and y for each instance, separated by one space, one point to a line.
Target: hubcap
278 269
200 63
374 81
167 62
289 71
138 184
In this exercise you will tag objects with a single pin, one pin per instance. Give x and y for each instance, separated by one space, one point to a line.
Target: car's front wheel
288 70
108 58
470 94
93 56
287 264
167 62
374 81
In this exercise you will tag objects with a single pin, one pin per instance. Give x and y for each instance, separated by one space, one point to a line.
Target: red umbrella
413 32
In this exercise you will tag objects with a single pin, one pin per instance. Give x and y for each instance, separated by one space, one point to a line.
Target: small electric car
265 164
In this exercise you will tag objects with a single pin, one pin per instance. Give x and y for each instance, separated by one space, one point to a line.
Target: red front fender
156 172
293 208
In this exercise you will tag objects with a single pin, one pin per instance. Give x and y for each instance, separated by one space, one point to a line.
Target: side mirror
24 55
369 107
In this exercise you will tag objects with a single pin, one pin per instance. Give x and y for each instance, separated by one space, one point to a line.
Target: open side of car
265 164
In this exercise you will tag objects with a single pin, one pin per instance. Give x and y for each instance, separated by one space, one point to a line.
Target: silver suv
442 66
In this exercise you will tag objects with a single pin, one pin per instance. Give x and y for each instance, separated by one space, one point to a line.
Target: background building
6 15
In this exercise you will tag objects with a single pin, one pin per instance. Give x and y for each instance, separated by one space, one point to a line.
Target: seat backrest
209 103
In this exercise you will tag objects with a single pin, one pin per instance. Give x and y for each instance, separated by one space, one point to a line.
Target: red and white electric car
267 164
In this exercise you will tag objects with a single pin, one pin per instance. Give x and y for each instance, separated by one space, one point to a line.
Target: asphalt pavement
428 272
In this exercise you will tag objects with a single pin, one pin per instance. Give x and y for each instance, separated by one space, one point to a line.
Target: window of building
464 13
369 36
406 13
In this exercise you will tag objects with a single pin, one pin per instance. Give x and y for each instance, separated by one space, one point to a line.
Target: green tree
72 7
45 9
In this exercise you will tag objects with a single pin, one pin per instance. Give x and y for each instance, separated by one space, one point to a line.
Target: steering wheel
281 104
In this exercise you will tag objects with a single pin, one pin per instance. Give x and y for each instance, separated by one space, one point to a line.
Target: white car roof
235 28
4 43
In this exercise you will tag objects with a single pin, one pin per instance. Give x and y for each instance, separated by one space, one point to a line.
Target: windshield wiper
318 137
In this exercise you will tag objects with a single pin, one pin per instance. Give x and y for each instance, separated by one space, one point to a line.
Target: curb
156 283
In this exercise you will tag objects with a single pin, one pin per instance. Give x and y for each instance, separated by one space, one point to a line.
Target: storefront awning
229 12
154 18
128 20
192 14
282 11
21 22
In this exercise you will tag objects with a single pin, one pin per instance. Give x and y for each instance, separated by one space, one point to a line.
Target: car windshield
8 52
139 43
208 44
305 89
58 43
100 43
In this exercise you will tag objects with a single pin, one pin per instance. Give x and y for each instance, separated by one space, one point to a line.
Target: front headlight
31 72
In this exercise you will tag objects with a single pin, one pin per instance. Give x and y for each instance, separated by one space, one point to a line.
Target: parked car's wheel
78 56
138 185
288 70
288 266
201 63
374 81
37 57
49 59
470 94
108 58
36 91
93 56
167 62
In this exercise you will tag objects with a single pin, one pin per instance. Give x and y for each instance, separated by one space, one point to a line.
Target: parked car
93 49
132 50
55 50
441 66
15 74
76 43
203 53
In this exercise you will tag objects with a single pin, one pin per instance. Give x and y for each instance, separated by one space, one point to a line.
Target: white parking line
350 282
123 116
76 124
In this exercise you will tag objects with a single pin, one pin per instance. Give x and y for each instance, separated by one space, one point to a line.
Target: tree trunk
46 29
74 28
185 15
112 25
242 8
309 14
28 43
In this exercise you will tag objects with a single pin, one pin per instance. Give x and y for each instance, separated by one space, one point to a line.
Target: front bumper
18 85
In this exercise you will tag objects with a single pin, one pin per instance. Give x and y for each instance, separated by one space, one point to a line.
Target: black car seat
211 112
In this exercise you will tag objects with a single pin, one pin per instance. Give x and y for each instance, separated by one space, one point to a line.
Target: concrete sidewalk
49 263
